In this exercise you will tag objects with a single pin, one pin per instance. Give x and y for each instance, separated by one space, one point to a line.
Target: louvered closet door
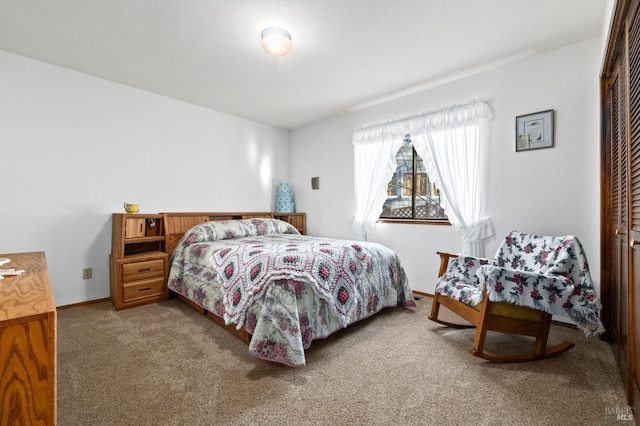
619 288
620 277
633 83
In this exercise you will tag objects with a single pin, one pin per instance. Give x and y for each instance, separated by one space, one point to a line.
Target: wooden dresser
27 343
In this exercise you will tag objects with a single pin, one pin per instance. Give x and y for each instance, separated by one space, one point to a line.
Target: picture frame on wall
535 131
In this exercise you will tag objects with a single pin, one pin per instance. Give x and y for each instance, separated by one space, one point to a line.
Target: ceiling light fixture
276 41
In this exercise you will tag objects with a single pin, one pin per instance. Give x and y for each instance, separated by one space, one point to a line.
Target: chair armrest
458 278
444 261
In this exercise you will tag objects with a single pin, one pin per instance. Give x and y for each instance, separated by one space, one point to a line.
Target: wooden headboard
176 224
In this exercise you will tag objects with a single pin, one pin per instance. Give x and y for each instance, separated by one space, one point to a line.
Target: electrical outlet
87 273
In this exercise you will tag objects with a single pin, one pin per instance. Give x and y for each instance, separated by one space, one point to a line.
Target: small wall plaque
535 131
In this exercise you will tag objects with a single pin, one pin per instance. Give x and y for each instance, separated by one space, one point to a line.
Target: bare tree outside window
410 193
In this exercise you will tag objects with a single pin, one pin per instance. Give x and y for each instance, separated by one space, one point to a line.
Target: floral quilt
285 289
550 274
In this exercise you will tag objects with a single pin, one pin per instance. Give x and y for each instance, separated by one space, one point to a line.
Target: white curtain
453 143
454 149
374 164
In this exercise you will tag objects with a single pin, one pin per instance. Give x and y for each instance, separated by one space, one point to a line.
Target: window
457 140
410 193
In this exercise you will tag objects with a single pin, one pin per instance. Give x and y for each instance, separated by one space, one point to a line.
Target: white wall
550 191
73 148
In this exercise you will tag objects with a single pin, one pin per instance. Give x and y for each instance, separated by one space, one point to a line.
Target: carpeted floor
164 364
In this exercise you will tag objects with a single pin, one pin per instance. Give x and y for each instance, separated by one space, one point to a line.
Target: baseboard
564 324
88 302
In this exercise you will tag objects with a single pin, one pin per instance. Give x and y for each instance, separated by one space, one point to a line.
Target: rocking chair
531 278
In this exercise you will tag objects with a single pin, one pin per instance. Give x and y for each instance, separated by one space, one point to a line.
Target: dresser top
29 293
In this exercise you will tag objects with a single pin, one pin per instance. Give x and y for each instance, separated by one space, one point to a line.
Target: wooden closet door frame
606 243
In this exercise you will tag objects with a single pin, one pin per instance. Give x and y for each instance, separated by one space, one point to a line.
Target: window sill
416 221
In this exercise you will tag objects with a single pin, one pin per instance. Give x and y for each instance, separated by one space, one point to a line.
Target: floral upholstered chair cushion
550 274
460 281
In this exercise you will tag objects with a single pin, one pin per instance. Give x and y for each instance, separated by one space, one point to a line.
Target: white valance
442 117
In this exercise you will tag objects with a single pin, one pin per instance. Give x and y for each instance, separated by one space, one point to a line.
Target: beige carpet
165 364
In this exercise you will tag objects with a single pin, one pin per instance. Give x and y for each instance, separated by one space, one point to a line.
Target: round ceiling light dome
276 41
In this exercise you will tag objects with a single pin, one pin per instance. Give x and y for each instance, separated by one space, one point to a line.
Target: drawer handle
144 289
144 270
632 243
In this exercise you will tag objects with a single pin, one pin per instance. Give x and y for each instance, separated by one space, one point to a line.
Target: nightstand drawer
143 289
135 271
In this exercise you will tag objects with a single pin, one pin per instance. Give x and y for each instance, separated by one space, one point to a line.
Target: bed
273 288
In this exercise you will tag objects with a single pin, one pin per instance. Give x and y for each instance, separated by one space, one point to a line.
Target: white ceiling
347 54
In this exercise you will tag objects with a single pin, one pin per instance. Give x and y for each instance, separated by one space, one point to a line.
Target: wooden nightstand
298 220
138 264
